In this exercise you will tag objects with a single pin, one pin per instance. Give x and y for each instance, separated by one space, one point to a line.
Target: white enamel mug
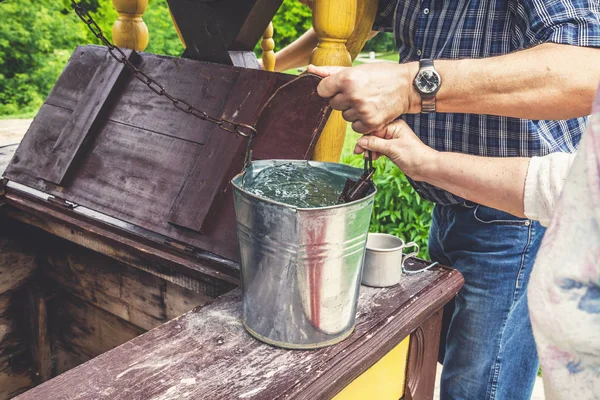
384 259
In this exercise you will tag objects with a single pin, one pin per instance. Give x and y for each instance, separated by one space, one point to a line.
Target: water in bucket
297 184
301 252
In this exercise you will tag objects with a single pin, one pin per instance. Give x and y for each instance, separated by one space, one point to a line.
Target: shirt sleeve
384 20
573 22
545 179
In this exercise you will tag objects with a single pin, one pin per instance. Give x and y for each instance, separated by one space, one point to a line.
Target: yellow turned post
343 27
333 21
267 45
130 30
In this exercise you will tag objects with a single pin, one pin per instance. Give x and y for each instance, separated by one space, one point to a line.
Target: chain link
240 129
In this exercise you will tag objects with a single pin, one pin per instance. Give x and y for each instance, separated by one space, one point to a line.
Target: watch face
427 81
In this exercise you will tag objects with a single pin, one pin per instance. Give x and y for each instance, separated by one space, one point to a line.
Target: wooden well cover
104 141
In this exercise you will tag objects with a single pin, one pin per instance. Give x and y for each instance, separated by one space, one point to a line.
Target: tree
36 40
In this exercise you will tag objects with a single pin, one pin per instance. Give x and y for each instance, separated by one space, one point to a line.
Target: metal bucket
301 267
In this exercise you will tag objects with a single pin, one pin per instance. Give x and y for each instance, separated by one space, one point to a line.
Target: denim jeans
487 346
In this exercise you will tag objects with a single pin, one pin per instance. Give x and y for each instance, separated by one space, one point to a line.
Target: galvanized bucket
301 267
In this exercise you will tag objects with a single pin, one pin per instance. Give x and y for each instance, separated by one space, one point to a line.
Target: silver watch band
428 105
427 102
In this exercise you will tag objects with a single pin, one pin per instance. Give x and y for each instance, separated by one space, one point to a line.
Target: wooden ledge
207 354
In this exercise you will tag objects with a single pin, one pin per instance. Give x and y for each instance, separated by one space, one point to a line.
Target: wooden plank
204 184
188 16
199 272
86 331
255 24
15 357
207 354
137 167
101 89
198 83
294 99
65 360
15 374
136 296
225 25
422 358
17 264
41 352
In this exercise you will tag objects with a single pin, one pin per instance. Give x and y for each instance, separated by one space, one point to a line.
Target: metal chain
243 130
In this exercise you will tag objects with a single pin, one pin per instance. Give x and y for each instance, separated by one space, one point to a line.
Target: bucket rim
301 209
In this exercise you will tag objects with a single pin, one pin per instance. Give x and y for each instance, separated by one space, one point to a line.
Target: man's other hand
370 95
400 144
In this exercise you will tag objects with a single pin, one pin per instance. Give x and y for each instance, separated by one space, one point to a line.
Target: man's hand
370 95
400 144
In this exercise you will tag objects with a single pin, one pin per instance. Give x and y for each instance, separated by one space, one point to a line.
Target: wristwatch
427 82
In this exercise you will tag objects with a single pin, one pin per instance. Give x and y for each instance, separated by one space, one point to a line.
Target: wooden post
343 27
130 31
267 45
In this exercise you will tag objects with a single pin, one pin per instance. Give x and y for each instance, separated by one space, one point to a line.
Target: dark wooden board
17 267
157 168
84 331
211 28
422 358
206 353
101 89
15 355
136 296
41 353
198 83
201 272
225 149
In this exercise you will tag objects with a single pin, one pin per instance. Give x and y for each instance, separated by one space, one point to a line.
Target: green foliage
37 38
398 209
35 43
383 42
163 36
290 22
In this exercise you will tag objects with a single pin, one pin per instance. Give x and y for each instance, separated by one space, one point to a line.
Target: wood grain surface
207 354
157 168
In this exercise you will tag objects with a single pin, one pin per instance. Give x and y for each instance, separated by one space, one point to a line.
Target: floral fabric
564 291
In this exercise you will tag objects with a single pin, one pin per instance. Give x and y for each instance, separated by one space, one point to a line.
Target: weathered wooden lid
104 141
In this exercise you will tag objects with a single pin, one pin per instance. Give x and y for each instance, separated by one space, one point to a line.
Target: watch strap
427 101
428 104
425 62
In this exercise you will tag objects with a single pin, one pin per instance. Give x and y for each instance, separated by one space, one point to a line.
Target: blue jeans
487 346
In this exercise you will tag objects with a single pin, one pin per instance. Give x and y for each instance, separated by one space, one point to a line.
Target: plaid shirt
449 29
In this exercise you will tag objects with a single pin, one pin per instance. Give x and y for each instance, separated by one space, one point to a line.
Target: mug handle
414 253
407 256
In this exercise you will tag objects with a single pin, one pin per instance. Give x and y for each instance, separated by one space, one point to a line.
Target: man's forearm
493 182
549 81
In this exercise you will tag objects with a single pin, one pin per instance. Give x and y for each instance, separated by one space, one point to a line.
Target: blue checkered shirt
450 29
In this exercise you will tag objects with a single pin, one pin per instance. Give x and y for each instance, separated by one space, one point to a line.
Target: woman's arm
297 53
498 182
